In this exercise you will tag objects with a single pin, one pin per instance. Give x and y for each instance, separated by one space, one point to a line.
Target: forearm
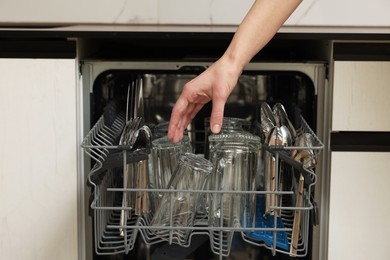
258 27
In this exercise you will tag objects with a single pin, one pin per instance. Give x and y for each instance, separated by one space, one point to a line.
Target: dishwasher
118 174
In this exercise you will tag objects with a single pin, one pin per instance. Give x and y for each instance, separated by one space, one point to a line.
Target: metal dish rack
106 204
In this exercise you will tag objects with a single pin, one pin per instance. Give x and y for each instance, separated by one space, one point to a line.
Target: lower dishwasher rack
286 232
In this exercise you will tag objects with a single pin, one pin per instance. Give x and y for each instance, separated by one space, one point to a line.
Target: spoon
307 158
281 118
267 120
280 136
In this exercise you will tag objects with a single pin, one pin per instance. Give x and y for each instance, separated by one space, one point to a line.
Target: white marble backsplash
188 12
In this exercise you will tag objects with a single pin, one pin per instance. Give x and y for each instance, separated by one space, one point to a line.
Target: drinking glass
161 130
229 125
164 158
234 157
178 206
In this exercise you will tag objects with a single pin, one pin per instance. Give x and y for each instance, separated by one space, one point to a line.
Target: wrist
233 62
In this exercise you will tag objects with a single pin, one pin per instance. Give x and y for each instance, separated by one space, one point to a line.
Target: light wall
204 12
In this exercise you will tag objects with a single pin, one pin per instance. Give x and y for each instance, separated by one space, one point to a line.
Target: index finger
176 116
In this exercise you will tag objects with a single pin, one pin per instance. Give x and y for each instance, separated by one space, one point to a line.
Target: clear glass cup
179 205
164 158
161 130
235 158
229 125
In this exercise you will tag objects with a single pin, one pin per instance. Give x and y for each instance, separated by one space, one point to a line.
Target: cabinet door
361 96
38 159
359 225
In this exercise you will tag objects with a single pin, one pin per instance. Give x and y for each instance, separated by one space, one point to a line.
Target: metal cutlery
135 175
307 158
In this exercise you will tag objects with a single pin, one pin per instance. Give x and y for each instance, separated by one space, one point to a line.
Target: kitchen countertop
107 30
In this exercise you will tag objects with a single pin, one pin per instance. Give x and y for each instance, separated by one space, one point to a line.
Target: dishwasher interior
113 91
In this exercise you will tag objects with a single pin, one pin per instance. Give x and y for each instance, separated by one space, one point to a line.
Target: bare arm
262 21
258 27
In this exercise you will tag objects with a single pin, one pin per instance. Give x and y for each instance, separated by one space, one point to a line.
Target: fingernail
216 128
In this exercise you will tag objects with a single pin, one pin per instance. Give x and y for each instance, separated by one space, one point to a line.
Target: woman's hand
214 84
260 24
